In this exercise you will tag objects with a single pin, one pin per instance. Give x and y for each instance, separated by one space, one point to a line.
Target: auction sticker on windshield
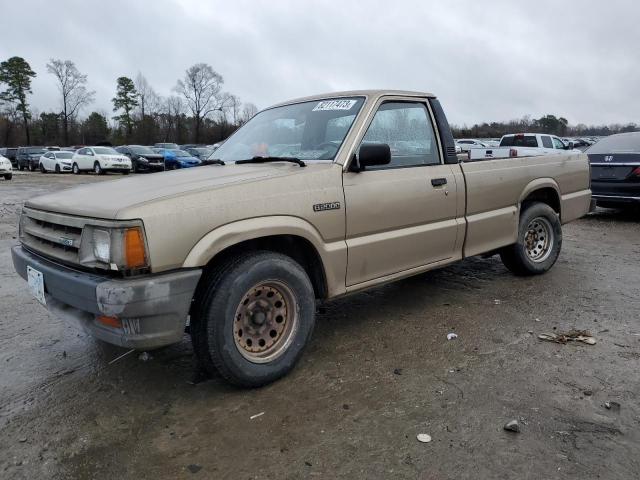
36 284
334 105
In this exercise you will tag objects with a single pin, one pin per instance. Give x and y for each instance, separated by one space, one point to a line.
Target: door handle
438 182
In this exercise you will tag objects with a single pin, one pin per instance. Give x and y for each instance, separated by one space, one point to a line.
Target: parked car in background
101 160
615 170
523 145
179 159
200 152
466 144
10 153
56 161
29 157
167 146
6 169
216 145
143 159
53 148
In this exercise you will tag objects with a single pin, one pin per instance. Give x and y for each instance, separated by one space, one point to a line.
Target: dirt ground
379 371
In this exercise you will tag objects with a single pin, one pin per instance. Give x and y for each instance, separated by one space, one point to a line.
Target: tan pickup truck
312 199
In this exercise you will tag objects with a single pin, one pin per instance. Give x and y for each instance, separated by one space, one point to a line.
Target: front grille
53 235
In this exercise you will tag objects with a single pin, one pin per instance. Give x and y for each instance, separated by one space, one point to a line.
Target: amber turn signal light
134 248
109 321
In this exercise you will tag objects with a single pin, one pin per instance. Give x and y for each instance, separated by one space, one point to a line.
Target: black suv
29 157
10 153
143 159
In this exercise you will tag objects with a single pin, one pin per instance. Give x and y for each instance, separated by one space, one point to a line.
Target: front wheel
8 176
75 169
98 169
57 169
42 169
539 241
252 318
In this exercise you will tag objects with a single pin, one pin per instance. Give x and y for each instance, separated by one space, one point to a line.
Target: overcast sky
486 60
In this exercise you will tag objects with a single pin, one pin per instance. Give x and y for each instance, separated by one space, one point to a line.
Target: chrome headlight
114 248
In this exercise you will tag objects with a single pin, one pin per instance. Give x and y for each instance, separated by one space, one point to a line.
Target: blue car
179 159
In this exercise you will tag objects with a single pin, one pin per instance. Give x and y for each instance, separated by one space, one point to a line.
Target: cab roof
357 93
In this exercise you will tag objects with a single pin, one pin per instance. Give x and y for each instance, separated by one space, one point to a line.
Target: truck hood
106 199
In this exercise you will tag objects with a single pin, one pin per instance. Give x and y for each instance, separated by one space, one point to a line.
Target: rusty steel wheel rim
265 321
538 239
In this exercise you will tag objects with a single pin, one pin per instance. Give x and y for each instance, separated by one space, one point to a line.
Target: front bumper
151 309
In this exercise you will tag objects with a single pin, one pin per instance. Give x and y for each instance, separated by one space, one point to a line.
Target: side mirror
373 154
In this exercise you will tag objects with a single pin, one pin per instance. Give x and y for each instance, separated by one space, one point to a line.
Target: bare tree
148 99
234 104
72 86
248 111
202 89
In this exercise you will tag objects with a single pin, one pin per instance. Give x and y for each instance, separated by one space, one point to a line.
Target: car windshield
180 153
64 155
140 150
203 151
105 151
170 146
622 143
33 151
309 131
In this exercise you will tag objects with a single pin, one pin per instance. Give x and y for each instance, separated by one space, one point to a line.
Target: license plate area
35 280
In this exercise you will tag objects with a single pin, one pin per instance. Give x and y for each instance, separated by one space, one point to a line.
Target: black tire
57 169
97 168
32 168
8 176
126 172
530 255
75 169
42 169
20 167
220 296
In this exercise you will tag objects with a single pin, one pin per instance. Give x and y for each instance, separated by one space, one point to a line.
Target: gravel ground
379 371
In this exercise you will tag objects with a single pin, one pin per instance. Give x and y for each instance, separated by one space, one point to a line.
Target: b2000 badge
321 207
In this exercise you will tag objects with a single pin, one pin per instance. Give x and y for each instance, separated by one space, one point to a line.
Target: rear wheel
20 167
252 318
539 241
75 169
32 168
8 176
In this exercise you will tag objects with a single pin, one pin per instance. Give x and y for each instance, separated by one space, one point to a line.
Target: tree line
547 124
196 111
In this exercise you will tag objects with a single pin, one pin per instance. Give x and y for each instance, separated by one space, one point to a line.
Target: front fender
332 254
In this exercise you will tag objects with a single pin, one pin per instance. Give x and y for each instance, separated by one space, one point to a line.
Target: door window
406 127
546 141
557 143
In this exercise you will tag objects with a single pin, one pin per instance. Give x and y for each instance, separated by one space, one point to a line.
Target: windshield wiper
213 161
273 159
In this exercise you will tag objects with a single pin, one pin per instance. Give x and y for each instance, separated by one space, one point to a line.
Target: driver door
403 215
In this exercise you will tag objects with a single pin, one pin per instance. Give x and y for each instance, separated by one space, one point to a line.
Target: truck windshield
309 131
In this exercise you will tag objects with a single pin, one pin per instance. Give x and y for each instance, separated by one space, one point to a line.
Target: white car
467 144
56 161
101 160
6 170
